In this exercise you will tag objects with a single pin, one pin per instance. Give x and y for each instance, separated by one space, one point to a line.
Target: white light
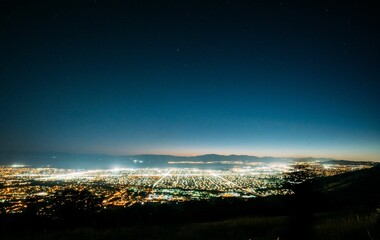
18 165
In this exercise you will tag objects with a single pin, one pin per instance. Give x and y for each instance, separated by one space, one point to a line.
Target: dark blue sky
272 78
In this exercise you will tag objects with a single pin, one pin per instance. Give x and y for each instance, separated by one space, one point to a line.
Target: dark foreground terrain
344 206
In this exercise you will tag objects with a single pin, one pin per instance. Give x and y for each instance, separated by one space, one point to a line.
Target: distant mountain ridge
77 160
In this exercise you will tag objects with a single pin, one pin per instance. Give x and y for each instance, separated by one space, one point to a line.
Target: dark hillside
348 189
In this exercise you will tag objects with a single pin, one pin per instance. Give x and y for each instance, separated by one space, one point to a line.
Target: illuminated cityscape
123 187
189 120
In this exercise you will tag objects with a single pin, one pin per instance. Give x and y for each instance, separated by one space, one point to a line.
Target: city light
124 187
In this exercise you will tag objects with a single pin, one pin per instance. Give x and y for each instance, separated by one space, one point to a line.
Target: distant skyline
264 78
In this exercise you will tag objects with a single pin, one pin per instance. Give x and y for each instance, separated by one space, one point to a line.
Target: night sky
265 78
